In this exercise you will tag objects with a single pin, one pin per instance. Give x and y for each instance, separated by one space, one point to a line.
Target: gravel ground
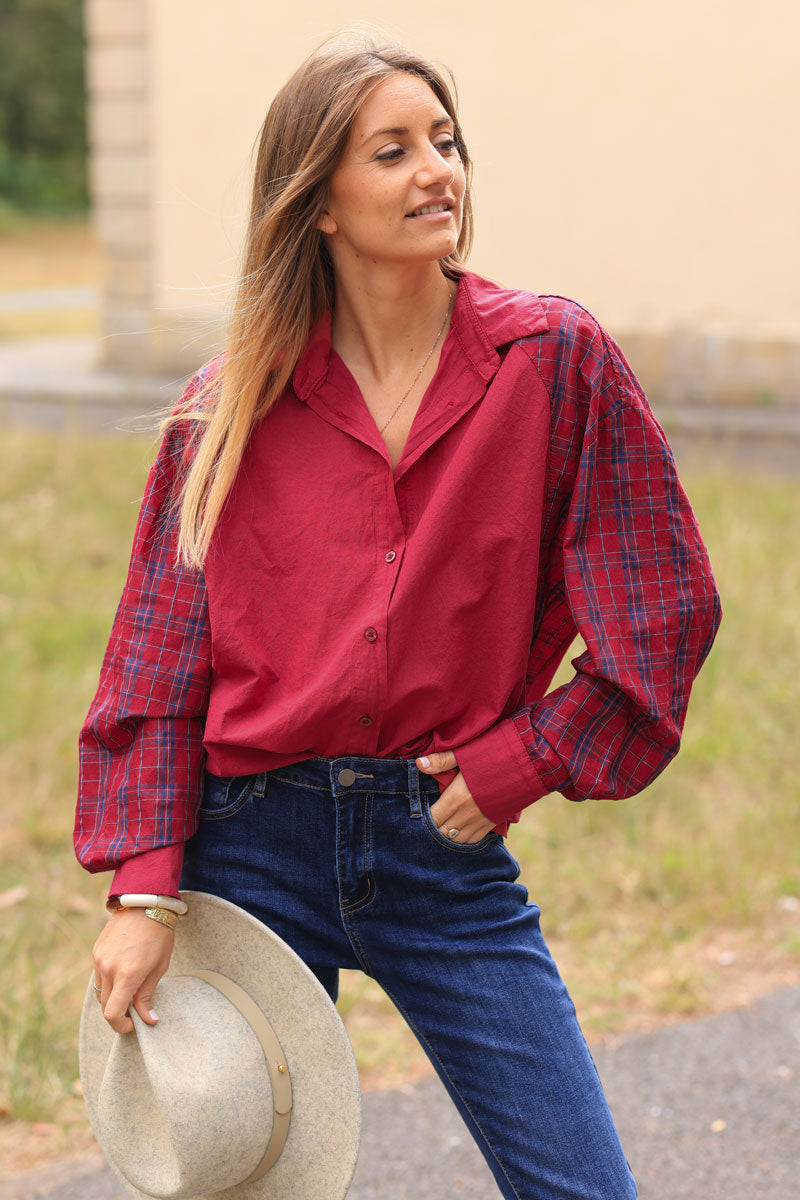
707 1109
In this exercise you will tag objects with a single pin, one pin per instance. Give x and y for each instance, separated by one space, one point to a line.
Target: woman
373 529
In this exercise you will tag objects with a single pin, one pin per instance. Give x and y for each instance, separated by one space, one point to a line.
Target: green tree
42 106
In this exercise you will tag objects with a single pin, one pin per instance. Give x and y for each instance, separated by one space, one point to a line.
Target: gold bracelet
165 915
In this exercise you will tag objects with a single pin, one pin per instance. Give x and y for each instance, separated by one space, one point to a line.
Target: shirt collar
485 315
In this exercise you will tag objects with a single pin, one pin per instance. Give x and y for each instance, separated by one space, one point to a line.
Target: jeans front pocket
457 847
223 796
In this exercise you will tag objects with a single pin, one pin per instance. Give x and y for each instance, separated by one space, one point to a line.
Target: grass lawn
673 903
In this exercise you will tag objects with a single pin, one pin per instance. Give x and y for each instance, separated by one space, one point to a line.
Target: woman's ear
326 223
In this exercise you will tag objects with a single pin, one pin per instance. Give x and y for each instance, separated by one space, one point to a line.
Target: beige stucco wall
637 157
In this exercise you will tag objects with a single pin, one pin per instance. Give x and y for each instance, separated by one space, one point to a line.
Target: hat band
276 1065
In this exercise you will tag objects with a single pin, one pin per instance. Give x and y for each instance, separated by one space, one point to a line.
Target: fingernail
153 1015
426 762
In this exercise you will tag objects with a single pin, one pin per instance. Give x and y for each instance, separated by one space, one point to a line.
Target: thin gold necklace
430 352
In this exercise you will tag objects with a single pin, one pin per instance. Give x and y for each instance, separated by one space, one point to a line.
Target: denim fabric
358 876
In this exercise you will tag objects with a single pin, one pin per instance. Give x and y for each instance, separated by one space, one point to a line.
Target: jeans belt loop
413 789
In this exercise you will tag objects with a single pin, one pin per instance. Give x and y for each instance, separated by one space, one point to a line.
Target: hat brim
319 1158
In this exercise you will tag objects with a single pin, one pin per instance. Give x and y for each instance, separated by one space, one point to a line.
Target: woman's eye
443 147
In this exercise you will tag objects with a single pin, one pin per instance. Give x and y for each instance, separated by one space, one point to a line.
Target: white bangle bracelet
150 900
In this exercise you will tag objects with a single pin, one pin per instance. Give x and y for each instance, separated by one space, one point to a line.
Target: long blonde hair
287 278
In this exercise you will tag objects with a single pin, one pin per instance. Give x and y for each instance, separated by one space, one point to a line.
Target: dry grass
49 254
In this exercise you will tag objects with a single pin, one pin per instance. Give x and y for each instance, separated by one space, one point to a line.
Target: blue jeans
356 875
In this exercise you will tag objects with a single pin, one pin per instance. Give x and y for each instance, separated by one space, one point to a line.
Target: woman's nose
435 168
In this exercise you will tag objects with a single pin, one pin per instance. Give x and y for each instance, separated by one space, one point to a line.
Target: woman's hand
130 956
455 808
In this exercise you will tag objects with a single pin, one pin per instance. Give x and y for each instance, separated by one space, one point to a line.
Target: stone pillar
119 134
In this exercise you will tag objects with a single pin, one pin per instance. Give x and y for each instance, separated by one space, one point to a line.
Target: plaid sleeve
140 746
638 587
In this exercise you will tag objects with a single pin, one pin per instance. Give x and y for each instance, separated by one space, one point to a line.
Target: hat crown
186 1106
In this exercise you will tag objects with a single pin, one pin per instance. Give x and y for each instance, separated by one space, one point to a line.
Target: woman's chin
432 247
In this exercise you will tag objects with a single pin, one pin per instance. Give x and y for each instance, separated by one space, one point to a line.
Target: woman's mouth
431 212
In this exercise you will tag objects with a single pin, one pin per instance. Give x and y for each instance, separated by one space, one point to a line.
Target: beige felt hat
246 1089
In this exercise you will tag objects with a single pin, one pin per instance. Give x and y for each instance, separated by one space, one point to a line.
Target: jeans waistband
354 773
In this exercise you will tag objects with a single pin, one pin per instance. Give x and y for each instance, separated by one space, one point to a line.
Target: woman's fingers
143 999
466 817
115 1003
130 956
471 828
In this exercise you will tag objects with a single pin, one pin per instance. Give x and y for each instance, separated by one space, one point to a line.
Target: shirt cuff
153 871
499 773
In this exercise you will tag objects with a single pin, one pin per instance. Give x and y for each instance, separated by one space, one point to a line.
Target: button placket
389 530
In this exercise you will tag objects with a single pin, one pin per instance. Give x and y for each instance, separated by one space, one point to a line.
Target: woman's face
400 157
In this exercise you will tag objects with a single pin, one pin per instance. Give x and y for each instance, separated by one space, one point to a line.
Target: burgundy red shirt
349 608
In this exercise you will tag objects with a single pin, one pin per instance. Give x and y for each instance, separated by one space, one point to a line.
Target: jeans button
346 776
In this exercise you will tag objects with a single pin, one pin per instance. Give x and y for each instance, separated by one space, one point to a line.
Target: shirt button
365 720
390 556
370 634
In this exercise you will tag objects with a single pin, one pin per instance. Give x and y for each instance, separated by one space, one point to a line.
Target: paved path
707 1109
55 382
48 299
